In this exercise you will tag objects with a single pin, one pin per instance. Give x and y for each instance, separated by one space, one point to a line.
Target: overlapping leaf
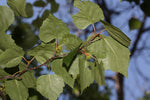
18 6
42 52
11 57
50 86
117 34
89 13
52 28
16 90
134 23
28 78
3 73
86 75
113 55
71 41
74 69
98 71
59 70
12 54
6 18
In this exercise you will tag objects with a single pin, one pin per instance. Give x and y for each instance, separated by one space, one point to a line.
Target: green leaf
18 6
98 71
71 41
59 70
134 24
50 86
28 78
113 55
16 90
42 52
39 3
6 18
52 28
6 42
117 34
89 13
54 6
86 75
71 56
74 69
29 10
11 57
3 73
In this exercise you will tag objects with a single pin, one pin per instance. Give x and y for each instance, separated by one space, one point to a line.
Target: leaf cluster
71 59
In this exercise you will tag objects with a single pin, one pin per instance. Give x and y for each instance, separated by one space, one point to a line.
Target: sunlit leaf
50 86
57 67
18 6
89 13
11 57
16 90
42 52
113 55
52 28
117 34
6 18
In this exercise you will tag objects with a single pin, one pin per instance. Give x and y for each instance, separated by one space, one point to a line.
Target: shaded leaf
59 70
42 52
98 71
29 10
89 13
50 86
134 24
71 56
74 69
6 18
54 6
16 90
52 28
117 34
145 6
113 55
86 75
39 3
71 41
18 6
28 78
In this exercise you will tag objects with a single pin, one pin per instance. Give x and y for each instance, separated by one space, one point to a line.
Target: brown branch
140 32
2 95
